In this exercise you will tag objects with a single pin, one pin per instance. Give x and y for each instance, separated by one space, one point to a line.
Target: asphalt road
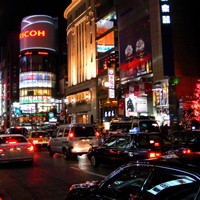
47 178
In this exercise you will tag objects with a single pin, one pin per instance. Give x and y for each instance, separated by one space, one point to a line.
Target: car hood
86 185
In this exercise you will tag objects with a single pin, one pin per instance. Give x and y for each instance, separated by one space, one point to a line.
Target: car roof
175 162
11 135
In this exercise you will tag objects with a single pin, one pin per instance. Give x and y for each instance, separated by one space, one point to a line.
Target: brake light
154 154
187 151
40 136
30 148
2 150
12 142
156 144
97 134
71 135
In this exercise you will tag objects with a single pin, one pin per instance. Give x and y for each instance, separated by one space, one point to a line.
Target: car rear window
148 140
17 131
84 131
18 139
121 126
39 134
149 126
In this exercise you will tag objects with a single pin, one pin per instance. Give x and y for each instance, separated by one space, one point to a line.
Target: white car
15 147
74 139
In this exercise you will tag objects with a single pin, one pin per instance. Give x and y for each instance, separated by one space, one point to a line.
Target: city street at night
47 178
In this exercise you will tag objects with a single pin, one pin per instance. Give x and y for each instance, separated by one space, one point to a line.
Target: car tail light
154 154
2 150
97 134
186 151
156 144
40 136
71 135
30 148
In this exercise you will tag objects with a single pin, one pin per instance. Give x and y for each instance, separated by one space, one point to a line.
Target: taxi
39 138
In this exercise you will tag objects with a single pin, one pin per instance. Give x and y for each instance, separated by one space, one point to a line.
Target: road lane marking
89 172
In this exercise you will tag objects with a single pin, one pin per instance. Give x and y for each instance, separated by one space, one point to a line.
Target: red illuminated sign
32 33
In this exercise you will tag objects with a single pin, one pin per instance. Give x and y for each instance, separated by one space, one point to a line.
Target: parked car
154 179
15 147
39 138
143 123
17 130
73 139
122 148
186 137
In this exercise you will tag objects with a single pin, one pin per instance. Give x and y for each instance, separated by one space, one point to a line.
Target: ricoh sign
37 32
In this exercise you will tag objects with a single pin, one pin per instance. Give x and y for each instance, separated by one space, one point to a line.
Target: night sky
13 11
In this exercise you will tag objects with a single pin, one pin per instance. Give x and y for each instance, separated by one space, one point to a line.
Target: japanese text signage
165 11
111 80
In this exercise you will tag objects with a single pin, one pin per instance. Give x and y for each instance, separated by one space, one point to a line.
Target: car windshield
118 141
39 134
148 140
84 131
149 126
120 126
17 139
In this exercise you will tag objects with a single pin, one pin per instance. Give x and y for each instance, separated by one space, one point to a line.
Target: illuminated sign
32 33
109 113
27 108
38 33
111 80
104 48
165 12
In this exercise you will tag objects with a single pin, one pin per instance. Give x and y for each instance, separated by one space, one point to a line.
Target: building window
91 38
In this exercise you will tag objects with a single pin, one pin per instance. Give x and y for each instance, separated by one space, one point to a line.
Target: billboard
135 105
37 32
135 50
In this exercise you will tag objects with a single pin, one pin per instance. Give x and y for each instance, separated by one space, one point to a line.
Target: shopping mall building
127 58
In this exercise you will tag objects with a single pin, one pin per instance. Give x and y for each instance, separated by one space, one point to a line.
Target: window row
35 92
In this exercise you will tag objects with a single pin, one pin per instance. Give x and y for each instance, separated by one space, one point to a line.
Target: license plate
15 150
85 141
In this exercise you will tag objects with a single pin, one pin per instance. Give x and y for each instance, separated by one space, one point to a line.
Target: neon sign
32 33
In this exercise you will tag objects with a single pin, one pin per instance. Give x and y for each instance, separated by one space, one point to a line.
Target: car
17 130
15 147
73 139
186 137
152 179
143 123
39 138
123 148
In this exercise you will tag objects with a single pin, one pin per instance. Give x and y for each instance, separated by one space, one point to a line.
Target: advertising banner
135 50
135 105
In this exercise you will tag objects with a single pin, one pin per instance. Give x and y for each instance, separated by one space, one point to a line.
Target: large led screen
135 50
37 32
37 79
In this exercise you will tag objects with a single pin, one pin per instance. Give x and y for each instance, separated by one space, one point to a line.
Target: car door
168 183
107 150
56 142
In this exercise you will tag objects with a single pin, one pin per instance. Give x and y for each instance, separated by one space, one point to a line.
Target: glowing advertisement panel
28 108
37 32
135 50
37 79
35 99
134 105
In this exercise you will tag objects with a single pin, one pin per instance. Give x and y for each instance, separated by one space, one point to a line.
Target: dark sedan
122 148
186 137
166 178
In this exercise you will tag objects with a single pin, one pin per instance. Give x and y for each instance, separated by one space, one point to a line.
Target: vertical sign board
111 80
167 44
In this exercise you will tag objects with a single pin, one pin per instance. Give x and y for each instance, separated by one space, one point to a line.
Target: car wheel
66 154
94 161
50 152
